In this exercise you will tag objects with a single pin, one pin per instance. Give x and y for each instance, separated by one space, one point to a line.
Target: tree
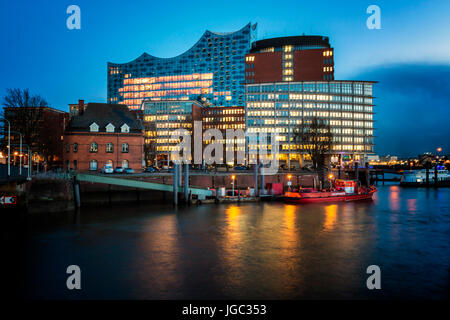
26 119
316 139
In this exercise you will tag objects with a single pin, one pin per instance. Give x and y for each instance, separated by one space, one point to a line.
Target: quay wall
57 195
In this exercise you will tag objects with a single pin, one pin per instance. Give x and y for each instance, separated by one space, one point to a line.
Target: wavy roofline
187 51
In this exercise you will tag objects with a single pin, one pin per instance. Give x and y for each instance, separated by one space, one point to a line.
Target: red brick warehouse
100 134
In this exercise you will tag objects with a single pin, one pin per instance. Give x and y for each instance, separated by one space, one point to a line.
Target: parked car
240 168
128 170
151 169
107 168
118 170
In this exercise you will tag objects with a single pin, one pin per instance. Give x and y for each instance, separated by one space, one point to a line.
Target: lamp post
20 150
233 177
29 158
289 183
331 178
9 146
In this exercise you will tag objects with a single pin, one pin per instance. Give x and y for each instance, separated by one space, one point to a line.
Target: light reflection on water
252 250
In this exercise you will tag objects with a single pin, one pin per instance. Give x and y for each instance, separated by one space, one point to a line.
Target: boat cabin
348 185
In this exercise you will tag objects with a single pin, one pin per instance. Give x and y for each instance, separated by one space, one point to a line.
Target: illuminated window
109 147
93 147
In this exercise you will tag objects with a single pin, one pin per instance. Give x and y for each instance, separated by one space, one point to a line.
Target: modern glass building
213 67
161 118
282 107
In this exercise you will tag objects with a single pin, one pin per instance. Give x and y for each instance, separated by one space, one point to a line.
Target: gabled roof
103 114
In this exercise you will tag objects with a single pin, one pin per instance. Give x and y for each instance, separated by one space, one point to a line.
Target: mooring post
356 171
261 175
180 174
256 179
76 187
436 175
367 174
175 184
186 182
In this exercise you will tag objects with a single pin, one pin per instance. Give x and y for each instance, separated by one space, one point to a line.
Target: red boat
344 190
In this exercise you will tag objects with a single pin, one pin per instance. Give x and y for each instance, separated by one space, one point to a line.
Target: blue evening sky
410 55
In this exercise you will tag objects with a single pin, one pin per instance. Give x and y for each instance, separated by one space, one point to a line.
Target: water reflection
394 198
330 217
412 205
157 263
252 250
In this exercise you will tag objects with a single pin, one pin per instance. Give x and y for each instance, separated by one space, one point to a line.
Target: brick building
42 129
298 58
99 134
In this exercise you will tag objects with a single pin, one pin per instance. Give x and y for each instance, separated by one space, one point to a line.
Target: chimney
80 107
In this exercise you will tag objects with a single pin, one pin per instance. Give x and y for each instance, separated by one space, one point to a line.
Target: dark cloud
412 108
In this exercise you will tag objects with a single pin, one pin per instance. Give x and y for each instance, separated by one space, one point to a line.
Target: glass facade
281 107
161 118
214 67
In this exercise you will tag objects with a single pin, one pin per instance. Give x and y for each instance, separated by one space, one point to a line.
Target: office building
223 118
297 58
347 106
161 118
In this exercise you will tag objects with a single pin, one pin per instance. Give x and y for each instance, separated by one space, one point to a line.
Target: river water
247 251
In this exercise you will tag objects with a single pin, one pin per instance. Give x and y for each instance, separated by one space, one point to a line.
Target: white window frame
94 127
110 127
125 128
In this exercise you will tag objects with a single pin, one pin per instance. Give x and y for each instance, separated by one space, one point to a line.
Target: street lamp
9 146
233 177
289 183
